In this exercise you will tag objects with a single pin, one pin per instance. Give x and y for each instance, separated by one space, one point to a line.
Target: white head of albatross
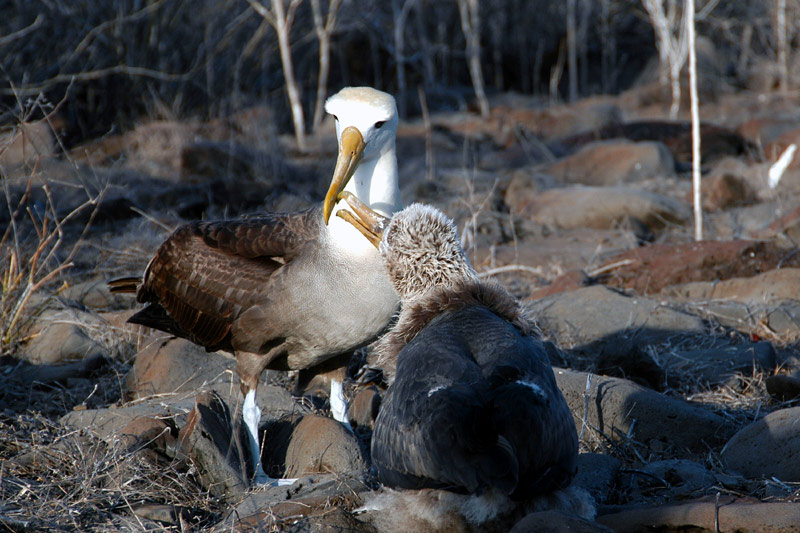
366 128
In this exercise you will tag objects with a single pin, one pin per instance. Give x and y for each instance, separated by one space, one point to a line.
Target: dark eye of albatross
379 125
335 118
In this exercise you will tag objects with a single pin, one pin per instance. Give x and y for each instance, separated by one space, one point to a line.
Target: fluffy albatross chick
474 407
285 290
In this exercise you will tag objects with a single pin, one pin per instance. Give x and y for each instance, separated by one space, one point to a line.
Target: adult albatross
474 404
285 290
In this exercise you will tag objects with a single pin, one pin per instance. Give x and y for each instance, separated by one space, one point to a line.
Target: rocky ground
679 359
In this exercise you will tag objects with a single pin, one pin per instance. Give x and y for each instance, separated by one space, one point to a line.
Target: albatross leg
252 415
339 404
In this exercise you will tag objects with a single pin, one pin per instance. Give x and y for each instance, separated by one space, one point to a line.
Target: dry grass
35 251
55 478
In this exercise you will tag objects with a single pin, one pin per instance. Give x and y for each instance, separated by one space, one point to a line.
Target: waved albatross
474 404
285 290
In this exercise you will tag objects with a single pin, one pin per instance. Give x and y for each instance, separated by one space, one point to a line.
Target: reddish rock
320 445
108 423
620 409
318 503
118 321
744 515
574 279
786 221
716 142
785 228
363 410
504 121
597 313
588 114
65 335
316 380
557 522
722 191
771 287
156 146
525 185
27 374
303 514
151 433
614 162
649 269
218 447
95 295
596 207
169 364
762 131
768 447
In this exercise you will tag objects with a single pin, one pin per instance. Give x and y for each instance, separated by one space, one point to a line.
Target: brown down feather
417 313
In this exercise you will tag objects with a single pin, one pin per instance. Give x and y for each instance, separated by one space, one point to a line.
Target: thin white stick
510 268
698 208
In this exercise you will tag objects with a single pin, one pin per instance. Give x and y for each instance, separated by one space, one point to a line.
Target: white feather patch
537 390
436 389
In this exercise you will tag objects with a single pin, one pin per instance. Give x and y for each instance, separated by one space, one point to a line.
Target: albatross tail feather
124 285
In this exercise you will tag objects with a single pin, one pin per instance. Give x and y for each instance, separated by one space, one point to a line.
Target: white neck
374 183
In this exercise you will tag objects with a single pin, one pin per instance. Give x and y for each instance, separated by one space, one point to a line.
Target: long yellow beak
350 150
370 223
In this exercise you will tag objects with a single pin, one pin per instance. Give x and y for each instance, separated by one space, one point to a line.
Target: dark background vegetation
111 62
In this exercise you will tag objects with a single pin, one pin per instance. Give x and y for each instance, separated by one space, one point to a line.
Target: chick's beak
350 149
365 220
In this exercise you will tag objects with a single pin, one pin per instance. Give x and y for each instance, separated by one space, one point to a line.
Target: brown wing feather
206 273
123 285
268 235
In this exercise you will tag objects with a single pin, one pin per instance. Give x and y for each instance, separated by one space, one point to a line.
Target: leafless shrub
117 61
34 252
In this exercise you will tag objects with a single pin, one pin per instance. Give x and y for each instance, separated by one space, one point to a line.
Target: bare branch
323 31
291 11
97 30
672 49
27 90
10 38
470 25
783 61
265 13
281 20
